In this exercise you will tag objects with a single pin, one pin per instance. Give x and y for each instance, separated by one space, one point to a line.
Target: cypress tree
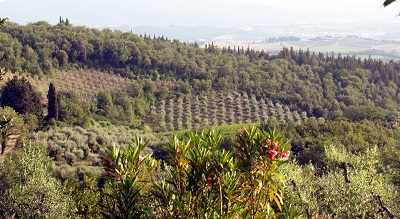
52 107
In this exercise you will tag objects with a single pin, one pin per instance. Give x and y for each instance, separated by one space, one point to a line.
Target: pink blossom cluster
141 158
274 150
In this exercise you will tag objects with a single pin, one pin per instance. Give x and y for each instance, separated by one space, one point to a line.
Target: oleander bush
202 180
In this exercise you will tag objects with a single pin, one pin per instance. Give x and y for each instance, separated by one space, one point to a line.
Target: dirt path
12 143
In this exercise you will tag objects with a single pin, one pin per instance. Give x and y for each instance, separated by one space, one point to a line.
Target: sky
96 13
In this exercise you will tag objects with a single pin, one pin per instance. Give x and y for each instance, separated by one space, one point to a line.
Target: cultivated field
185 112
346 46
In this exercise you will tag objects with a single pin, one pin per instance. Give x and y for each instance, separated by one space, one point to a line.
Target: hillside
129 125
218 109
327 85
186 112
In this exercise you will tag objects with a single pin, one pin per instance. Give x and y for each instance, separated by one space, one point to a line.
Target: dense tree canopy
70 109
323 85
20 95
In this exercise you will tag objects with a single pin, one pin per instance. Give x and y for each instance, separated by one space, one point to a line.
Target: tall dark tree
20 95
52 107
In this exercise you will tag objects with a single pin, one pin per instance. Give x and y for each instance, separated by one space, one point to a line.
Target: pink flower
236 217
286 154
209 182
108 162
210 179
240 137
275 145
141 158
272 154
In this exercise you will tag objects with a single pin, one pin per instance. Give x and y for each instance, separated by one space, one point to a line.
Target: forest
112 124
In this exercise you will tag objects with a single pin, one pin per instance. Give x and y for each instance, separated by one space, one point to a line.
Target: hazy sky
197 13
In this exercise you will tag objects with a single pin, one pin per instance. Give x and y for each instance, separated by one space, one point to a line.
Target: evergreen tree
20 95
52 106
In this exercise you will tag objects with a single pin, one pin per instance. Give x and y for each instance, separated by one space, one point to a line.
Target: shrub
70 157
28 188
201 181
349 188
123 167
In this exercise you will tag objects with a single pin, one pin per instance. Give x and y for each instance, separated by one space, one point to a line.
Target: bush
202 180
28 188
349 188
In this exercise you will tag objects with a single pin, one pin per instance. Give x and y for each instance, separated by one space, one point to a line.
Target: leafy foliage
308 140
11 124
20 95
205 181
85 193
28 190
349 189
122 169
70 109
205 176
5 123
322 85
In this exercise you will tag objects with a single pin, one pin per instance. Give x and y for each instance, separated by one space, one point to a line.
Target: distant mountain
379 31
215 13
151 12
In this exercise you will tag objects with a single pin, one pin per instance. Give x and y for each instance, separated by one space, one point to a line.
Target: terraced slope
217 109
89 83
186 112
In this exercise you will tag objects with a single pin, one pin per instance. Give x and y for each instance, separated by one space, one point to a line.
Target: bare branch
390 214
345 172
